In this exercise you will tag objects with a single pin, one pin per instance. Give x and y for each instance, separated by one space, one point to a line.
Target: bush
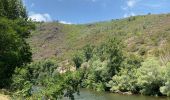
96 76
88 52
107 61
126 79
149 77
33 74
63 86
115 56
41 80
78 60
165 89
142 51
125 82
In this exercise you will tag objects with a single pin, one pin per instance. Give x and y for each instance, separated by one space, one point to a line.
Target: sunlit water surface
86 94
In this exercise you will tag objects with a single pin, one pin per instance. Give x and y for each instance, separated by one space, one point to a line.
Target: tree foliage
42 80
106 61
110 69
12 9
14 29
88 52
114 50
77 59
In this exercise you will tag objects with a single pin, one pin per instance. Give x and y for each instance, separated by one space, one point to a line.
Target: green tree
115 56
106 63
77 59
126 79
12 9
88 52
9 51
2 11
14 29
149 77
44 74
14 51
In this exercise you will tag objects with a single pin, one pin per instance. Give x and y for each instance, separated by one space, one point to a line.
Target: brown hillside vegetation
143 35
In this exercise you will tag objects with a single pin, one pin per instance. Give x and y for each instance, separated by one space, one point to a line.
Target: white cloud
129 14
64 22
124 8
131 3
132 14
129 7
40 17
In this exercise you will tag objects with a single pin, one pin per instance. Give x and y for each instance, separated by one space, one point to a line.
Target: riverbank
4 97
87 94
4 94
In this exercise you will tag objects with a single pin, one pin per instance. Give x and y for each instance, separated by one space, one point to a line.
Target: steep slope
144 35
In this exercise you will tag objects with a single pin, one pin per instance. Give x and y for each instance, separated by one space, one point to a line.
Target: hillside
143 35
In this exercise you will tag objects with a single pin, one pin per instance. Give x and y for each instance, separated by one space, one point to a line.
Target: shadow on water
86 94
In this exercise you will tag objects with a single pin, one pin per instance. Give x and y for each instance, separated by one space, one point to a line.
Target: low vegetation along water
86 94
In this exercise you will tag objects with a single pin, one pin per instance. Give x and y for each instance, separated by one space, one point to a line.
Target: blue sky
88 11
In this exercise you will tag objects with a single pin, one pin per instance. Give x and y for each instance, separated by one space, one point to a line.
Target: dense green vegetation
23 79
14 29
128 55
111 69
41 79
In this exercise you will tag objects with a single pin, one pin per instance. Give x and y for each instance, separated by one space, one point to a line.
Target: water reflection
93 95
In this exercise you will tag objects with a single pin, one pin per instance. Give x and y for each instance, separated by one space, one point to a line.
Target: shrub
115 56
126 79
149 77
78 60
101 52
106 62
33 74
96 75
142 51
49 83
165 89
88 52
124 82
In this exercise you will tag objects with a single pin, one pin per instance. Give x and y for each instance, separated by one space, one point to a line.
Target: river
86 94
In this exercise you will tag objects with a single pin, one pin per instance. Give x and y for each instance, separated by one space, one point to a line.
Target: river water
86 94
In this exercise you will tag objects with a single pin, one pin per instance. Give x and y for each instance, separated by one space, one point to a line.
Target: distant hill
147 35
